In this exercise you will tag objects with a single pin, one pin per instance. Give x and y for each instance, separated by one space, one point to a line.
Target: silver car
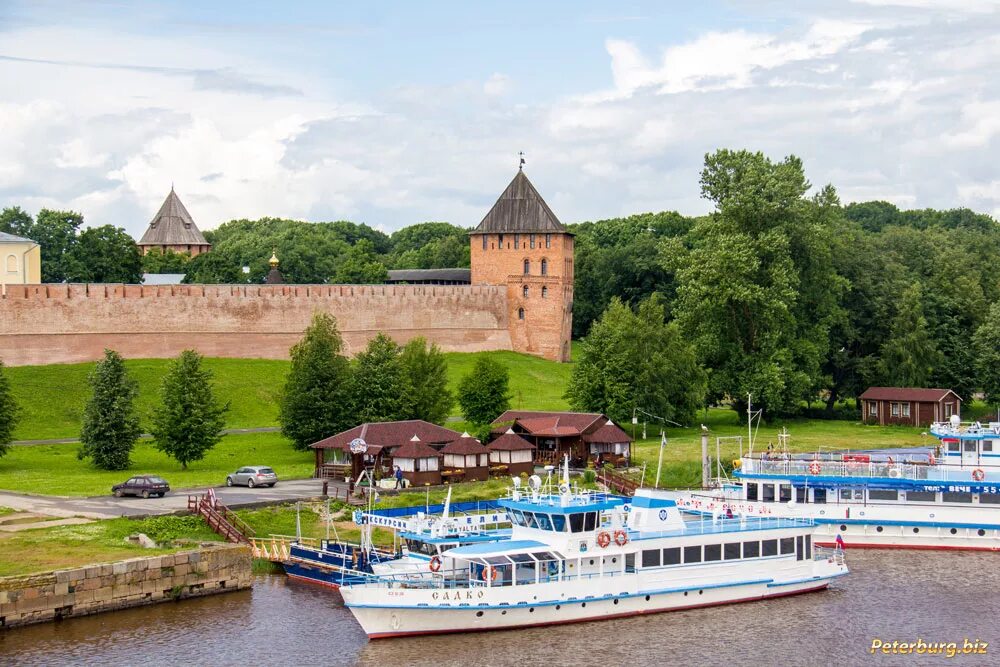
252 476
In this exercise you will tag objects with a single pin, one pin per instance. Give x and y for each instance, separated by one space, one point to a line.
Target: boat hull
385 623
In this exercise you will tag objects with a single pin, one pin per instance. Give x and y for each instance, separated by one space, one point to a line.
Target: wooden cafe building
583 436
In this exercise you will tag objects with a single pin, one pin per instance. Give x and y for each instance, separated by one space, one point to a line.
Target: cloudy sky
396 113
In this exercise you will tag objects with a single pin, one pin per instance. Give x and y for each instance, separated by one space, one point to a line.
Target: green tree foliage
382 390
9 412
156 261
110 425
484 393
361 266
986 347
426 372
909 355
430 245
104 255
15 220
189 420
635 359
315 402
55 232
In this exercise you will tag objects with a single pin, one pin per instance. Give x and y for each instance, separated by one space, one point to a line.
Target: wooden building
908 406
381 440
420 463
173 230
582 436
466 460
511 454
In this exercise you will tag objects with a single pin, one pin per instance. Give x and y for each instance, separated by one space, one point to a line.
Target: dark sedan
141 485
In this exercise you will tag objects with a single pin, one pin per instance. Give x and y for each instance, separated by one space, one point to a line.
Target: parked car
141 485
252 476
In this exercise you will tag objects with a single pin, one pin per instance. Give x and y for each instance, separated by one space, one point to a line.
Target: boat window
808 547
751 491
591 521
785 492
421 547
768 492
630 562
529 520
732 550
516 517
846 494
949 497
543 521
883 494
970 445
799 550
819 495
651 558
713 552
751 549
521 558
444 547
953 446
787 545
921 496
769 548
672 556
987 445
801 494
559 523
576 523
544 555
990 498
692 554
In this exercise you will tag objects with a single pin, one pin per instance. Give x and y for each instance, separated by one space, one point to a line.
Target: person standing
399 478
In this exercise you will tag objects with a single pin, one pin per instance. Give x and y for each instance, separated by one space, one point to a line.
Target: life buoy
814 468
603 539
489 573
621 539
978 474
435 563
894 472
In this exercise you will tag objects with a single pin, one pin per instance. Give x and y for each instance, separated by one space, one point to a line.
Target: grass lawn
55 470
61 547
535 383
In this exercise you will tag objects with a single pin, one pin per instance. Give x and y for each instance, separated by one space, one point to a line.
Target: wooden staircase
220 518
616 482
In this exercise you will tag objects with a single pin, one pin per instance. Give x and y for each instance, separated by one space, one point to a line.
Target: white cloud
497 84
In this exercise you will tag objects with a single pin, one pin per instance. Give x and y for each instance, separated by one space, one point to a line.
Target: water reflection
890 595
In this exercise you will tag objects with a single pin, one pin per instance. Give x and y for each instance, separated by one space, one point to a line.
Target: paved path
109 507
146 436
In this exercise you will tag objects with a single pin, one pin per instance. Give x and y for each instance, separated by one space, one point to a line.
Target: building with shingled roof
466 458
513 453
173 229
908 406
583 436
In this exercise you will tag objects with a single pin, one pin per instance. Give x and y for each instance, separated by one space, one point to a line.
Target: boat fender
621 539
435 564
603 539
978 474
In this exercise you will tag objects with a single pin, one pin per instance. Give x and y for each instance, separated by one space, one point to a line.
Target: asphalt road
109 507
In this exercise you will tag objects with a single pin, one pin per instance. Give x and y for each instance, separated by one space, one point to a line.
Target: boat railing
946 429
832 554
713 520
829 467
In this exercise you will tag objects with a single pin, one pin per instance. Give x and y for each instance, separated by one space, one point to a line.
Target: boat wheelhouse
898 498
581 556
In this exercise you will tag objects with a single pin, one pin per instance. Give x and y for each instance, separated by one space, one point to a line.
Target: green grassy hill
53 397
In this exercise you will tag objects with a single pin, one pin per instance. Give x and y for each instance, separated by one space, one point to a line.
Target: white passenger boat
880 499
580 556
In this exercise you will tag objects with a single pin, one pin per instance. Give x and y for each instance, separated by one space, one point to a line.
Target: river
890 595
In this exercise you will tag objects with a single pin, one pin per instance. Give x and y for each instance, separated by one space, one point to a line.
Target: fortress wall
42 324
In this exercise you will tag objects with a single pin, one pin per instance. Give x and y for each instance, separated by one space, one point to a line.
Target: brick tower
521 244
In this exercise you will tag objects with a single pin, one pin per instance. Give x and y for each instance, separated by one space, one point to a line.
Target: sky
394 113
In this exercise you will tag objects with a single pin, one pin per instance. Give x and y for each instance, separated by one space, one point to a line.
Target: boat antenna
659 461
298 524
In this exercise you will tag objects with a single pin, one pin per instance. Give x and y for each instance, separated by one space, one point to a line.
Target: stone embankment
130 583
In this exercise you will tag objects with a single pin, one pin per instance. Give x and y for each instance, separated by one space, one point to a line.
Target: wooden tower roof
520 209
172 225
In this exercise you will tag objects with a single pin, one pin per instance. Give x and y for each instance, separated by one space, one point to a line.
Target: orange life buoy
978 474
621 539
814 468
435 563
489 573
603 539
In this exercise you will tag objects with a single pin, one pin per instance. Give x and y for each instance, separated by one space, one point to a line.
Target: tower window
527 266
548 240
545 292
520 313
545 267
524 291
531 240
485 241
500 240
517 241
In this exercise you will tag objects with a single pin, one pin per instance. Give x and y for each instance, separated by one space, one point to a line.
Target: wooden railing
617 482
220 518
277 547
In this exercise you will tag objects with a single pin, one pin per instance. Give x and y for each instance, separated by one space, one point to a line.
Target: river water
890 595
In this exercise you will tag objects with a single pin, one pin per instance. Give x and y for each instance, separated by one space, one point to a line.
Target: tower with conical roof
522 245
173 229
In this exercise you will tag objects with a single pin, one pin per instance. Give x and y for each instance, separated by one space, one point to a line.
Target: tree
104 255
382 390
15 220
189 420
986 346
315 401
110 426
484 392
155 261
361 266
9 412
55 232
634 359
427 374
909 354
